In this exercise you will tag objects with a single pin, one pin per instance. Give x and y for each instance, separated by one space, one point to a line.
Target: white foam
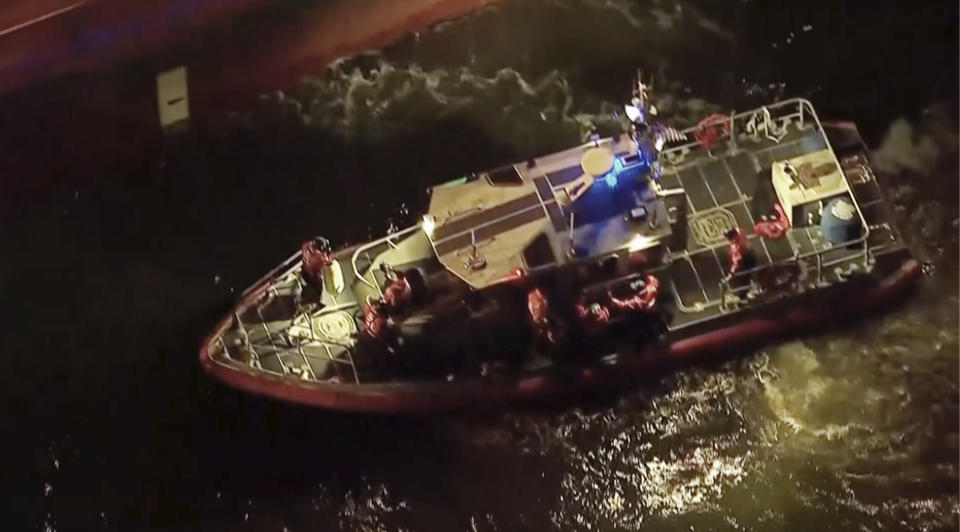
918 146
904 149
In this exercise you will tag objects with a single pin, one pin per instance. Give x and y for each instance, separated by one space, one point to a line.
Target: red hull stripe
487 394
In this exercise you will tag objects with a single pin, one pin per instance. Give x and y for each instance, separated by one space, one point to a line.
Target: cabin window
505 177
539 252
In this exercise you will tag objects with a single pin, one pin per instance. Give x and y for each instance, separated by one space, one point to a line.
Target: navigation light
428 224
611 177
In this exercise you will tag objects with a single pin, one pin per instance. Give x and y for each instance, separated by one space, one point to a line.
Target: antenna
475 260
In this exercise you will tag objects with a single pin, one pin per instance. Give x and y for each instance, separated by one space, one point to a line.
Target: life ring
710 129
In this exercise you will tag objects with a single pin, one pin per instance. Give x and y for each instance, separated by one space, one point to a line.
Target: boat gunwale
431 395
424 396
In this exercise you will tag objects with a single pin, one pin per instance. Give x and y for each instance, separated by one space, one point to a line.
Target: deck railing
781 113
743 288
387 240
257 350
772 121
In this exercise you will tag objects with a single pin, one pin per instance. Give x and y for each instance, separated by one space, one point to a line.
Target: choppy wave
920 146
385 101
380 101
662 14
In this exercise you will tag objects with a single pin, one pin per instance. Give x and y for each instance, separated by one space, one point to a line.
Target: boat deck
733 188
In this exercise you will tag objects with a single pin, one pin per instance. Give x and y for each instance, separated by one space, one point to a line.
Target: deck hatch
543 188
486 232
539 252
561 177
484 217
505 176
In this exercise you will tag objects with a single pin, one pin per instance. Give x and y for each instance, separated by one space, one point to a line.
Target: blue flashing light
611 176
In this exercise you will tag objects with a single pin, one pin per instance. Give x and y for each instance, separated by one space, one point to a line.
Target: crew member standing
397 292
740 257
315 255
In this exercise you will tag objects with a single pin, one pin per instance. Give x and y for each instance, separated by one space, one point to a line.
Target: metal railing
817 256
291 264
388 240
784 113
278 342
293 345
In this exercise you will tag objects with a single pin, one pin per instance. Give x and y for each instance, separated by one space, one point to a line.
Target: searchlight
428 224
610 178
640 242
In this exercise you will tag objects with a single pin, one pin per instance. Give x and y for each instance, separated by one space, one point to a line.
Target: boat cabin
575 206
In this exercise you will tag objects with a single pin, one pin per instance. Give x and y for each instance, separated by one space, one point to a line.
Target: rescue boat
580 270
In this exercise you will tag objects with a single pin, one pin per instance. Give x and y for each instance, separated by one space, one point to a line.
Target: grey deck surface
490 228
564 176
724 191
485 216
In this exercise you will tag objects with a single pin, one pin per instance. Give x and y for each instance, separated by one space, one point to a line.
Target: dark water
107 289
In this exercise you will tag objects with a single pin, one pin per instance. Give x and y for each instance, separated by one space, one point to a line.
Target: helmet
320 243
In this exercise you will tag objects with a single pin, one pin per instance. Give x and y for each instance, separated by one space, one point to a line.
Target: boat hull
793 316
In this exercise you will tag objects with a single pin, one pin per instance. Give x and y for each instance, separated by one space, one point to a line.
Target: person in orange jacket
740 255
315 255
593 317
644 299
740 259
773 228
538 309
397 291
375 323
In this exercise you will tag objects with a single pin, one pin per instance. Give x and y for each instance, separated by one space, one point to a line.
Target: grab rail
286 267
803 110
373 244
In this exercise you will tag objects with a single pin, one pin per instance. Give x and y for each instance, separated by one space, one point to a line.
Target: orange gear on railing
537 307
710 129
775 228
644 299
512 275
374 322
397 292
593 317
738 248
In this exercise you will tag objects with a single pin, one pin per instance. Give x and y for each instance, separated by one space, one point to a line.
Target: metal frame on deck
801 104
287 274
783 113
297 344
374 243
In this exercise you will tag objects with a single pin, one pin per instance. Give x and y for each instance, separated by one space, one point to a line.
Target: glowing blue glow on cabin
611 176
